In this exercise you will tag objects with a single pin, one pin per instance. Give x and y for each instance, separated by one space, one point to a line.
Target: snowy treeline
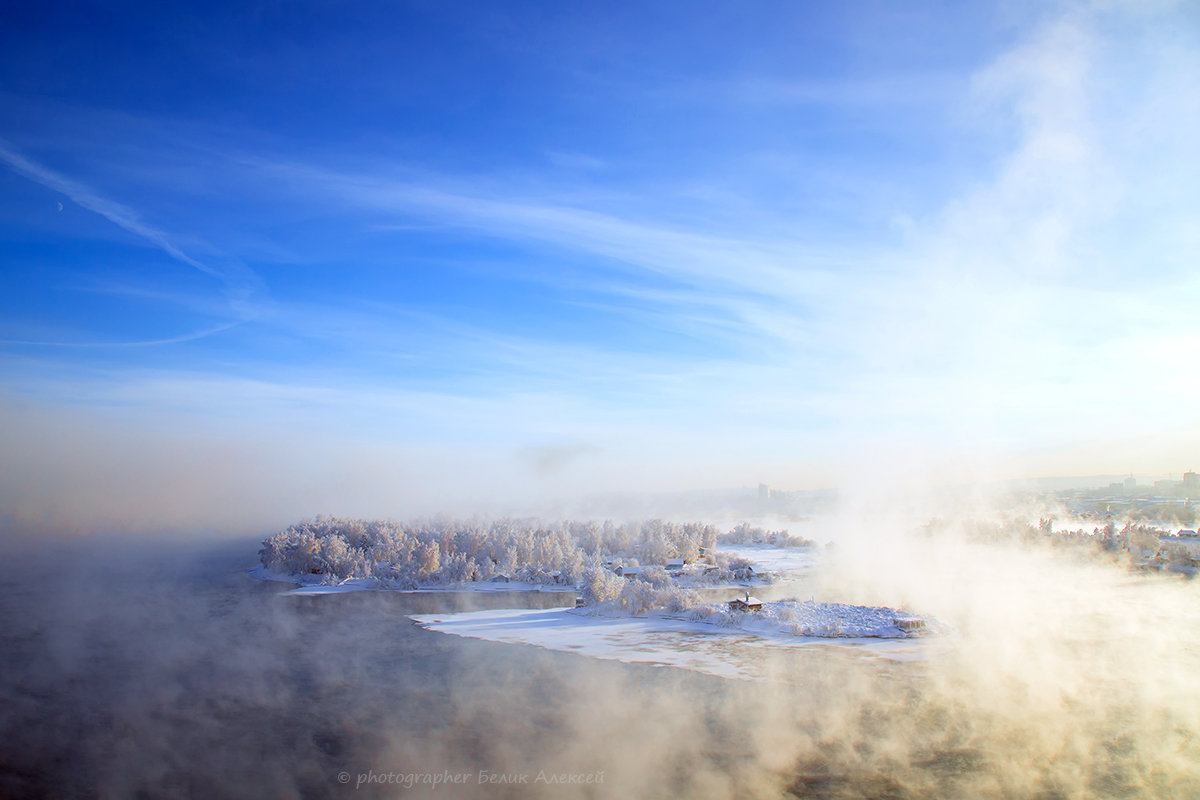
1136 539
745 534
405 555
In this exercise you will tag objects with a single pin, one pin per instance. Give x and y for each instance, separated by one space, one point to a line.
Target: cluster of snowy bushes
825 620
439 551
651 590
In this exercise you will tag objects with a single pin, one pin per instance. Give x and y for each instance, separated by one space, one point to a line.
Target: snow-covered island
643 590
331 554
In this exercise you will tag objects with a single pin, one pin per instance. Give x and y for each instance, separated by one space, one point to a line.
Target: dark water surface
164 671
158 670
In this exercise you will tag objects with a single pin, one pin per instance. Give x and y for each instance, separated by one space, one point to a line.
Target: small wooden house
747 604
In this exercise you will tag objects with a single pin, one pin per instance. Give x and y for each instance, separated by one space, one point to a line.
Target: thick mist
162 670
154 667
1071 677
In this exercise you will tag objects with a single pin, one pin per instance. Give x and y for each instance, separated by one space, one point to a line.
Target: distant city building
764 493
1191 481
1131 483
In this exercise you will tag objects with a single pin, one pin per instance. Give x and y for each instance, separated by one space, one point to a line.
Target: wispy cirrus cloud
185 337
973 319
1020 302
120 215
239 284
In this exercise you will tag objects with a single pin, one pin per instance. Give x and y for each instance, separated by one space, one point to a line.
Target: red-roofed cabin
747 604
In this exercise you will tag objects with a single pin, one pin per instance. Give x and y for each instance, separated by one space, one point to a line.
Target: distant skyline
401 257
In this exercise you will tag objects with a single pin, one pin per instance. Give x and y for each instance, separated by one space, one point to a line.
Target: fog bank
159 668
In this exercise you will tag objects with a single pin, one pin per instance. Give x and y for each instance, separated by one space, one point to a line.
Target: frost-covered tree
656 576
637 597
1143 541
600 585
429 558
674 599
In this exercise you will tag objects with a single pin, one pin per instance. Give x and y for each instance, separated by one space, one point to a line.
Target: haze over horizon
265 261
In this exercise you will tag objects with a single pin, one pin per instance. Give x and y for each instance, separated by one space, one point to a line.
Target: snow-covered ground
821 620
668 640
311 584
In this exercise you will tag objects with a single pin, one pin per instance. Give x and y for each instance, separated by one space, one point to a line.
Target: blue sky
679 245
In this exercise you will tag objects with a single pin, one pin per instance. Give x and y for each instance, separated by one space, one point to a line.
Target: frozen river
166 671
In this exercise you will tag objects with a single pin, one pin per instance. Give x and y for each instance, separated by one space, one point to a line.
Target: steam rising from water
1072 678
161 669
